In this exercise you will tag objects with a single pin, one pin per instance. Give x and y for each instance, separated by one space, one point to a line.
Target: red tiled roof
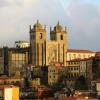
6 86
98 53
64 98
80 51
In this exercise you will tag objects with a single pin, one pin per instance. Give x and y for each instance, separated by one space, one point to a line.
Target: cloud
17 15
85 21
82 19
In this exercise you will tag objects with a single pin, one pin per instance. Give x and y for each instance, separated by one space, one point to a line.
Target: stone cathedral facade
40 52
43 51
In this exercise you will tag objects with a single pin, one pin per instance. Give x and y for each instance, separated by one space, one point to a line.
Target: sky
81 17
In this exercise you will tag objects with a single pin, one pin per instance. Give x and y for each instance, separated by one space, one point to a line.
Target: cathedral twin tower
43 51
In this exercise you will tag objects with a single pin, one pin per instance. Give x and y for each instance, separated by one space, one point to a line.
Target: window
84 55
71 68
79 56
75 68
61 37
74 56
41 35
53 76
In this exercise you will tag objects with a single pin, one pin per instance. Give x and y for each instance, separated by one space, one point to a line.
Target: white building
22 44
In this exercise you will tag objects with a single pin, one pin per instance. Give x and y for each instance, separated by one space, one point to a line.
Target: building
1 61
80 68
79 54
41 52
54 73
15 80
14 59
44 51
8 92
95 64
22 44
83 67
74 71
36 81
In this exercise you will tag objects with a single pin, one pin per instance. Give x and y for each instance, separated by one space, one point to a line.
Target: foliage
26 83
57 86
81 83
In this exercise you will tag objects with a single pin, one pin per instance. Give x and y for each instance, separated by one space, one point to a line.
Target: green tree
64 76
81 83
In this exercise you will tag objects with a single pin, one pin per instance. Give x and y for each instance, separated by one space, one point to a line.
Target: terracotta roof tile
80 51
98 53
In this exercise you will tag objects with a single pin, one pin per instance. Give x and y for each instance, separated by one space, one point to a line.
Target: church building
44 51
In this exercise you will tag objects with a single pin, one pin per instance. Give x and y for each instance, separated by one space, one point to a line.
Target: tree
64 76
81 83
57 86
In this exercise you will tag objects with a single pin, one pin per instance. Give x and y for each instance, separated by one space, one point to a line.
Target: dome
38 25
58 27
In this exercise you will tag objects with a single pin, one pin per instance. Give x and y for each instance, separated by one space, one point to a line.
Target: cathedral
43 51
39 52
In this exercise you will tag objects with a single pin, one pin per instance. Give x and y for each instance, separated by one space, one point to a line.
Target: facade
83 68
74 72
14 59
43 51
15 80
94 63
55 71
22 44
52 74
1 61
78 68
36 81
8 92
79 54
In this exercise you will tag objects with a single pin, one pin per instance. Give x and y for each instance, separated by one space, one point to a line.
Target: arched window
41 35
61 37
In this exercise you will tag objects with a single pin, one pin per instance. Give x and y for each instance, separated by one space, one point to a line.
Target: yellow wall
15 93
74 55
11 93
36 81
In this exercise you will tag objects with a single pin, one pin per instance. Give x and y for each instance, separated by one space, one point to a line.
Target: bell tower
37 44
60 35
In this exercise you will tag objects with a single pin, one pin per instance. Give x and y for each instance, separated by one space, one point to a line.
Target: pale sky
82 18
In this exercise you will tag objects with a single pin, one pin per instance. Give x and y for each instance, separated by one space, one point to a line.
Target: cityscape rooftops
98 53
6 86
80 51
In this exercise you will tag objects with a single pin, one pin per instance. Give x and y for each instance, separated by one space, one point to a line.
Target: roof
7 86
58 65
80 51
98 53
4 77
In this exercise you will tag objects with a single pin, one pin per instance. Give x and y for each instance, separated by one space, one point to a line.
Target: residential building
79 54
78 68
36 81
74 71
54 71
83 67
22 44
9 92
15 80
1 61
95 64
14 59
